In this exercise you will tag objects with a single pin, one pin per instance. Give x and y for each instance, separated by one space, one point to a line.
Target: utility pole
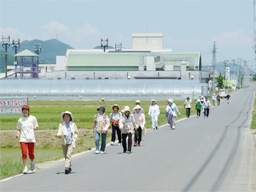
254 16
6 45
37 50
15 47
213 66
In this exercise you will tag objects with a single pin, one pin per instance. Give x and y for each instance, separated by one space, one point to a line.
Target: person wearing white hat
198 108
140 122
68 135
187 106
101 125
127 126
154 113
171 110
138 103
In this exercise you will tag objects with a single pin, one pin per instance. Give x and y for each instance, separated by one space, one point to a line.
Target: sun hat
137 107
66 112
25 107
170 100
101 108
126 108
198 100
115 105
138 101
153 100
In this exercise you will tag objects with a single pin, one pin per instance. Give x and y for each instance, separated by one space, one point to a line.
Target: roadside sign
12 105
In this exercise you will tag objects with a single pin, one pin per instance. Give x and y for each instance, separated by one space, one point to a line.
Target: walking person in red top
26 126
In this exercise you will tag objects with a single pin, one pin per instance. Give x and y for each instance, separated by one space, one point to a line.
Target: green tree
220 80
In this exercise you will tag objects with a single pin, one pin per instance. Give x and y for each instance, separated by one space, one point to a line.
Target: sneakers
129 152
25 170
135 144
156 128
97 152
69 169
139 144
32 167
102 152
119 144
112 143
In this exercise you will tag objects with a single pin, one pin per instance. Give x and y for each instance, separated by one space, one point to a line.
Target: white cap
66 112
138 101
153 100
126 108
170 100
137 107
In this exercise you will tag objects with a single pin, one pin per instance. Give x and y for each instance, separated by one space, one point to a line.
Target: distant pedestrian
140 122
171 110
214 99
154 113
227 97
138 103
218 98
198 108
127 126
187 106
114 119
202 103
207 106
26 126
68 134
100 127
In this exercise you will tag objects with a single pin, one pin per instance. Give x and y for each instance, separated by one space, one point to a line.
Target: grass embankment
47 147
253 124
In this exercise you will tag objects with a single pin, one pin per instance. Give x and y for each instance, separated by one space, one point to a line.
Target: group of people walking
124 124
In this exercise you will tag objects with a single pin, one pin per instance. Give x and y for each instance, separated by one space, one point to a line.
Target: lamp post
6 45
15 47
104 44
37 50
225 62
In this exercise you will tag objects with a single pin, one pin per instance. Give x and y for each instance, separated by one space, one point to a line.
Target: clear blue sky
188 25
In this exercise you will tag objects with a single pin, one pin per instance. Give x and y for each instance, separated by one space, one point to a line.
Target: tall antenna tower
213 66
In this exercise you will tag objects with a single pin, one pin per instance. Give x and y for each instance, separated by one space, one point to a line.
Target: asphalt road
204 154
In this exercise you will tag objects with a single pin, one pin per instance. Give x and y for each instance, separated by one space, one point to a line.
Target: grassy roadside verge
47 147
253 123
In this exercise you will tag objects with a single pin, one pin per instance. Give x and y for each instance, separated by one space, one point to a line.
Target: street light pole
15 47
37 50
6 45
104 44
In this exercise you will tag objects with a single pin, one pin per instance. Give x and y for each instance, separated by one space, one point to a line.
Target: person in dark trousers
227 97
114 119
187 105
140 122
198 108
207 105
218 98
127 126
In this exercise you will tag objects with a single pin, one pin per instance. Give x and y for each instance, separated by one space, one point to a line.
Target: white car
223 93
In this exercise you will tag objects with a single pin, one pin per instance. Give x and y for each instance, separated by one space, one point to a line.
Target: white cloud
54 28
14 34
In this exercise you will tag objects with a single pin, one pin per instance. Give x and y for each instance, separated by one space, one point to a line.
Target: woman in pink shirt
140 125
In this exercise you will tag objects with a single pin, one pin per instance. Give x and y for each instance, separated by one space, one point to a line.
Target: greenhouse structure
111 89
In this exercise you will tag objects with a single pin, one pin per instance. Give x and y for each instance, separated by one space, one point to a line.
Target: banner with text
12 105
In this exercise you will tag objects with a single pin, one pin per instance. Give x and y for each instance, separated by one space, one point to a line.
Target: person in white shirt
154 113
26 126
187 105
214 99
114 120
207 106
68 136
140 125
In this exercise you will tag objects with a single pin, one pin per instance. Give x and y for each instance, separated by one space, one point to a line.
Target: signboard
12 105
